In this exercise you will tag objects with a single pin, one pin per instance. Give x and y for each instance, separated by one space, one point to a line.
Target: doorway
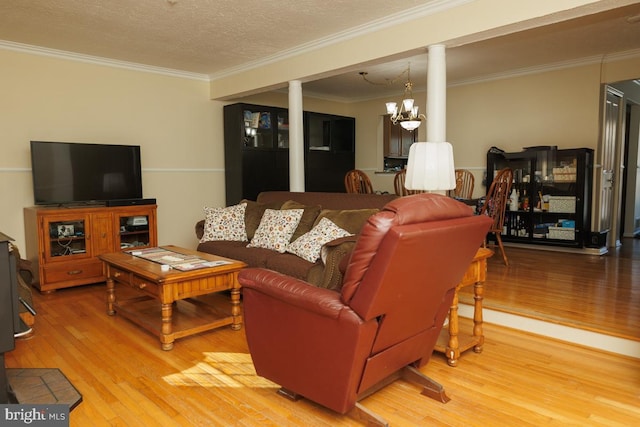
616 201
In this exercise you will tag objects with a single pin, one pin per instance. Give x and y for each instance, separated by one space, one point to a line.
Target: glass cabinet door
133 231
258 129
556 194
318 132
283 129
65 237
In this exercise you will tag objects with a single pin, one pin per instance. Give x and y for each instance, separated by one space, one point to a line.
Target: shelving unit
64 242
256 139
554 188
329 151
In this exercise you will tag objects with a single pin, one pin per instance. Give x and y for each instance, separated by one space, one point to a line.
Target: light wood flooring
595 293
520 379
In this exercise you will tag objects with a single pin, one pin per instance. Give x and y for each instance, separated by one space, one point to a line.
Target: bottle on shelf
525 201
513 205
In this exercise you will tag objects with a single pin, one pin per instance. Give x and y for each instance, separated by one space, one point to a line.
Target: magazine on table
176 260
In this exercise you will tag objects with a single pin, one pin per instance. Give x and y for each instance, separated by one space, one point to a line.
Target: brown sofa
349 211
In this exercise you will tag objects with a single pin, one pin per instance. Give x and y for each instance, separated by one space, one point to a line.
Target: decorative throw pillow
224 224
253 214
308 245
275 229
308 217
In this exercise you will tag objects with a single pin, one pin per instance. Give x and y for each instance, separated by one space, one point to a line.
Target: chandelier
406 114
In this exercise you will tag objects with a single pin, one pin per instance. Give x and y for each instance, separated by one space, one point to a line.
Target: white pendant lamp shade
430 167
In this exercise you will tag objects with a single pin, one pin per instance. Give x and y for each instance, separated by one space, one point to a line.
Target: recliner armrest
293 291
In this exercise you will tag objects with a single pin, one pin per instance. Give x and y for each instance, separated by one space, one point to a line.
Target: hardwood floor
595 293
208 379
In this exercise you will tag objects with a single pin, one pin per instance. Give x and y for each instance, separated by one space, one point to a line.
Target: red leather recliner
336 348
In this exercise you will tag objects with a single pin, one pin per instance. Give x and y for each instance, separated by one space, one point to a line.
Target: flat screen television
77 173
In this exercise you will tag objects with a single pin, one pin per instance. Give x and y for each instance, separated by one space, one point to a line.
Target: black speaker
597 239
130 202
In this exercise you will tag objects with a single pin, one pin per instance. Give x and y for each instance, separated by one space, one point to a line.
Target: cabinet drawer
144 285
120 275
76 271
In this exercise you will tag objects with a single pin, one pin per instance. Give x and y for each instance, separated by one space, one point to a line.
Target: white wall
178 128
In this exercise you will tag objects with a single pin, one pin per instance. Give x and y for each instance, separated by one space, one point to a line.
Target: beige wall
181 133
558 107
172 119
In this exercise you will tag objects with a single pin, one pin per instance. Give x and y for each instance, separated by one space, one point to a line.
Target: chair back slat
398 184
356 181
465 182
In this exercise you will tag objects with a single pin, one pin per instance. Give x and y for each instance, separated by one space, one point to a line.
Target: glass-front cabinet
64 242
256 150
265 127
66 236
550 200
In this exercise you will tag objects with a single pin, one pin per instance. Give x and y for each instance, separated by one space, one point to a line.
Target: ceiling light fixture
406 115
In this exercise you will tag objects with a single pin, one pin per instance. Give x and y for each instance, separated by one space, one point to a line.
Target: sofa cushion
308 217
289 264
308 245
254 213
225 223
275 229
351 220
254 257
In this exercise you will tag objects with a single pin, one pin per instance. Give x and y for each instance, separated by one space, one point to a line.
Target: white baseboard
582 337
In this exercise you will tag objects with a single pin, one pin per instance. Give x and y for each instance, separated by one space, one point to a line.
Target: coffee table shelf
189 316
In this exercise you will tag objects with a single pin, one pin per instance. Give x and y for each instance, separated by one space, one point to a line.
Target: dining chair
496 203
464 185
398 183
356 181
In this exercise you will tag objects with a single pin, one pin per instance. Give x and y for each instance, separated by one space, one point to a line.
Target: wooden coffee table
190 302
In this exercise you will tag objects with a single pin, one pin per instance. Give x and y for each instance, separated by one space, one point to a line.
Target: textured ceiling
208 37
200 36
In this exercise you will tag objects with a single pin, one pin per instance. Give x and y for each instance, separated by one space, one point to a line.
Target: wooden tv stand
64 242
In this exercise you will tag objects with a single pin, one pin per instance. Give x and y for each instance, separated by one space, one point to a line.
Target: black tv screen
65 172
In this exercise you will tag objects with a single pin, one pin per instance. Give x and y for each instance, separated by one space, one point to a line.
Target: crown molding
596 59
61 54
407 15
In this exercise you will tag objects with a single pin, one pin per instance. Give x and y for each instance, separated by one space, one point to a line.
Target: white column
296 137
430 166
436 94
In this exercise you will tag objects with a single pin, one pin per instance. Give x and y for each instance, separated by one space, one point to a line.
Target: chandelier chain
406 112
388 82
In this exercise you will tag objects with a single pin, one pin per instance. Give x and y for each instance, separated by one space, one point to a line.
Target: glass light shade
391 108
414 111
408 104
410 124
430 167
